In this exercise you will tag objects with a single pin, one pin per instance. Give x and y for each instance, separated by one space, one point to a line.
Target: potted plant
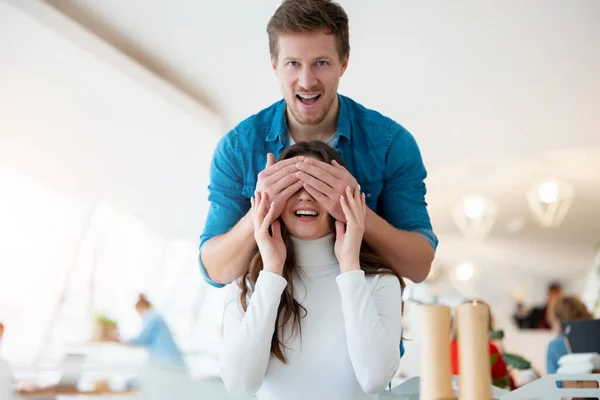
105 329
513 361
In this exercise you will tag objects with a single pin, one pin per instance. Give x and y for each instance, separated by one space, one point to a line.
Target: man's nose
307 78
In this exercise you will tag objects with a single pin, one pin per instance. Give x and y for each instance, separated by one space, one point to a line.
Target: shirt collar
279 125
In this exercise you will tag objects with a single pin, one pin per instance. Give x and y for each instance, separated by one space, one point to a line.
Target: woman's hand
272 248
349 237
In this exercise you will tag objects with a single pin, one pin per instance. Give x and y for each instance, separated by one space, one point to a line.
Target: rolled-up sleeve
227 202
402 203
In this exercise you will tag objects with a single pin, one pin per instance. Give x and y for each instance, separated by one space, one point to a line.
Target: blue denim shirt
383 157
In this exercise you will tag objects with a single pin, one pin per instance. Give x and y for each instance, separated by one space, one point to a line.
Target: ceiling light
475 215
548 192
474 207
464 272
549 201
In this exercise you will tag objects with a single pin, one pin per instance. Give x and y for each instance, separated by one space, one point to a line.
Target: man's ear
345 64
274 65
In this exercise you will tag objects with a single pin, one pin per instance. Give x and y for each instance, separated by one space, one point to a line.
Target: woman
156 337
568 308
318 315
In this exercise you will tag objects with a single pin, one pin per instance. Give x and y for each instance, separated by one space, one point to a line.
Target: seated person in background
156 337
540 317
8 383
568 308
500 375
521 316
318 314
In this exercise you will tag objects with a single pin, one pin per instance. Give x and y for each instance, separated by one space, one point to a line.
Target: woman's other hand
349 236
272 248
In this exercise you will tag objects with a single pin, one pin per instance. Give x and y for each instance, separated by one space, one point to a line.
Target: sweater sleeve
373 323
247 337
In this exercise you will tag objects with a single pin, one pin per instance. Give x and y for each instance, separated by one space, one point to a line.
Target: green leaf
102 319
493 359
502 383
516 361
497 335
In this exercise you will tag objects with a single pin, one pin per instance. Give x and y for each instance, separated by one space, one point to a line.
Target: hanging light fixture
464 272
475 216
549 201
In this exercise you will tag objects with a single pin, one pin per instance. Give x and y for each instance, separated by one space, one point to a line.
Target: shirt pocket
372 191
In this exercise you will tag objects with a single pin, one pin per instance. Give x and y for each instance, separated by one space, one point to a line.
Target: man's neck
322 131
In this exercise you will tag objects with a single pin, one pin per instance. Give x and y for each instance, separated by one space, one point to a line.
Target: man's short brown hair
298 16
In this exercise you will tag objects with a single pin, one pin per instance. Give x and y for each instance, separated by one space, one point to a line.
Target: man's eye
322 63
292 63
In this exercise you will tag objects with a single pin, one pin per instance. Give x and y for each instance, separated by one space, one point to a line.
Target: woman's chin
304 234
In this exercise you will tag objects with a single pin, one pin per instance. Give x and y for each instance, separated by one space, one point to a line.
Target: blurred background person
157 338
568 308
539 317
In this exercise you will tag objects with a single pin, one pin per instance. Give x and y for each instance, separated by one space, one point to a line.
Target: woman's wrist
347 265
275 269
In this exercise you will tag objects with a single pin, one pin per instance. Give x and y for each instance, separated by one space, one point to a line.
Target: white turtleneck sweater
349 348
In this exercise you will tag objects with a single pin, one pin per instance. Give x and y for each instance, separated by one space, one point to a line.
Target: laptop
71 369
582 336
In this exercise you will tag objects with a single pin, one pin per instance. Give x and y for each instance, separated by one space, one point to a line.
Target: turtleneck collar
315 253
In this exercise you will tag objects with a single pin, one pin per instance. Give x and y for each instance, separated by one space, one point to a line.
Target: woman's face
305 218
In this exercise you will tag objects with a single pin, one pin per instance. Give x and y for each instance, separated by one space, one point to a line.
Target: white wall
104 175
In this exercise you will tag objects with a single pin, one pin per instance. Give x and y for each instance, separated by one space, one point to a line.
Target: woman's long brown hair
289 309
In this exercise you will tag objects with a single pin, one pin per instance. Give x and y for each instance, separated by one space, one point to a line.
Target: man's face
309 70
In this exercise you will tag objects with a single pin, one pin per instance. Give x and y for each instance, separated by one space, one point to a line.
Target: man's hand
278 181
326 183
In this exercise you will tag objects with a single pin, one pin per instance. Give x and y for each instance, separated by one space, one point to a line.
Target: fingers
318 196
353 200
340 229
289 191
364 204
261 207
269 218
317 184
255 203
321 171
270 160
278 176
356 194
336 171
345 208
337 165
276 228
282 179
275 167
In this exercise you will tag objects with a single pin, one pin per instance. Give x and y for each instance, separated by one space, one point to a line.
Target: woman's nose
304 195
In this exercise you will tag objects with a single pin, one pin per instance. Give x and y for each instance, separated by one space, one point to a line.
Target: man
541 317
309 46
